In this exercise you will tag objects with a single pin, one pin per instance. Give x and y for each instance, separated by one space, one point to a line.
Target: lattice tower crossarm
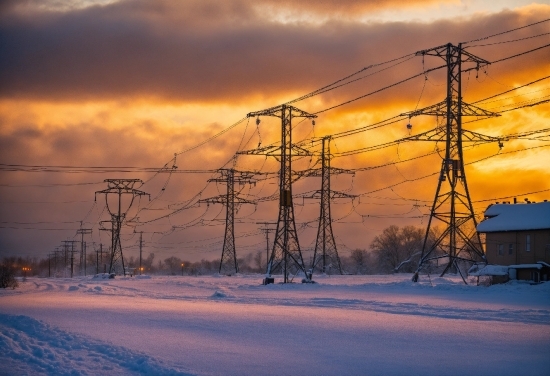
286 256
452 204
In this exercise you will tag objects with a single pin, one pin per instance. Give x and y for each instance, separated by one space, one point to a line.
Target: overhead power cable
520 54
513 89
93 169
509 41
506 32
423 73
342 82
212 137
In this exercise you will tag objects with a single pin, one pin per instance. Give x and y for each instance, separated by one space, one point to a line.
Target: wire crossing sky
161 93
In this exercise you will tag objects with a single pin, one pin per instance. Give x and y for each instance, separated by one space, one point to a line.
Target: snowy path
343 325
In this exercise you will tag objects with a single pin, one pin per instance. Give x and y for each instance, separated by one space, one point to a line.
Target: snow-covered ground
213 325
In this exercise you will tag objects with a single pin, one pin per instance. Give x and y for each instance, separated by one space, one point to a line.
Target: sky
125 85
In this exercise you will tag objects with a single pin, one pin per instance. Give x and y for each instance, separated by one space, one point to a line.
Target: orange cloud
132 83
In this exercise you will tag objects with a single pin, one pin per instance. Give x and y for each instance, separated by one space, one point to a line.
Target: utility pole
452 204
228 262
55 255
49 265
82 232
140 250
119 188
97 261
325 251
286 256
267 230
72 250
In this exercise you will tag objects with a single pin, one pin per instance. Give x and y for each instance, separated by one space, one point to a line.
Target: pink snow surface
342 325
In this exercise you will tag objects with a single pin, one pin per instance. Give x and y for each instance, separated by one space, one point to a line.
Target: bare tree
359 261
173 264
7 276
398 248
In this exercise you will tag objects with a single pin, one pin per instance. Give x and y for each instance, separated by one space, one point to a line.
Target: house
518 235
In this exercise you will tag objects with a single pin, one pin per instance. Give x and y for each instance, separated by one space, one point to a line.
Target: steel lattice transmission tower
286 256
228 262
452 204
326 253
119 188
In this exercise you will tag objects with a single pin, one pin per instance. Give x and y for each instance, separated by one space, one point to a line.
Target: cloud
208 51
130 83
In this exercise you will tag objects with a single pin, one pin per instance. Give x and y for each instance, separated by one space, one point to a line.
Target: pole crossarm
277 112
439 134
222 199
440 109
275 151
333 195
317 172
443 51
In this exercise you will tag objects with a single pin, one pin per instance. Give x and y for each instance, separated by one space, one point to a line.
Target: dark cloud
213 51
203 51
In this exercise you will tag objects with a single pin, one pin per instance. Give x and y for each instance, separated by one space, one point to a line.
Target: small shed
489 274
532 272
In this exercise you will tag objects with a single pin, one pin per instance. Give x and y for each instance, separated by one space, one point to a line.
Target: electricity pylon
452 204
228 262
286 256
325 251
119 187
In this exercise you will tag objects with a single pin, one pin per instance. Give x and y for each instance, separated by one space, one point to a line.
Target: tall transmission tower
452 204
228 262
83 231
119 188
286 256
326 253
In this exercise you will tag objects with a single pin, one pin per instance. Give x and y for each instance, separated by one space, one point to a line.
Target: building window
511 249
500 249
527 243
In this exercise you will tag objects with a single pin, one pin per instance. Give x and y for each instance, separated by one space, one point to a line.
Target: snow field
352 325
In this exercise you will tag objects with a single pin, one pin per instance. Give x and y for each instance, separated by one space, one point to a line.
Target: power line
506 32
520 54
509 41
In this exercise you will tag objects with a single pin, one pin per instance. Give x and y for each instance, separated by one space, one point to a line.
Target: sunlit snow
213 325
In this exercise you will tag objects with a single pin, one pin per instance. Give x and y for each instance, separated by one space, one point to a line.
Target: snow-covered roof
516 217
489 270
526 266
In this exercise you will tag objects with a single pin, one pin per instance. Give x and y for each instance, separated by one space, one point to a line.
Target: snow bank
32 347
352 325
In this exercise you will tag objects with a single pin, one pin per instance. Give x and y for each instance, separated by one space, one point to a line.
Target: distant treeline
395 249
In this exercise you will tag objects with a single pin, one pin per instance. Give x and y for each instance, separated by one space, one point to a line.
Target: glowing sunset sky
131 83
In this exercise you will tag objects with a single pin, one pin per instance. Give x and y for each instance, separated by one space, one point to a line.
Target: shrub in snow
7 277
